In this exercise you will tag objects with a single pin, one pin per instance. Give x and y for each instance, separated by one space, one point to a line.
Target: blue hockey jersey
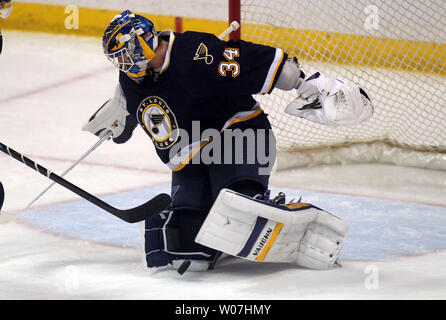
202 79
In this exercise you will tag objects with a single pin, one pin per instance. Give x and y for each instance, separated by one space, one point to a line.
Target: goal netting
394 48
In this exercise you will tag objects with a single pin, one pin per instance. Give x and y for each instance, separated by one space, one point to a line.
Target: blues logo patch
155 116
202 54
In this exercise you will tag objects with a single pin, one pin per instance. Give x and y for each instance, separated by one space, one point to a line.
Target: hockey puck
184 266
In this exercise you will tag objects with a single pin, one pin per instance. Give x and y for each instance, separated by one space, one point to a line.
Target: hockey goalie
167 82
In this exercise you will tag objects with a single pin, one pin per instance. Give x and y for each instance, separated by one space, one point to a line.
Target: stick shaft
50 175
86 154
149 209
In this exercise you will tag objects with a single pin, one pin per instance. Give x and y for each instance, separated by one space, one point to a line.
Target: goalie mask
129 43
5 8
328 100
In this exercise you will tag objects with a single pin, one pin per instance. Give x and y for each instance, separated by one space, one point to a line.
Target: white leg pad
255 230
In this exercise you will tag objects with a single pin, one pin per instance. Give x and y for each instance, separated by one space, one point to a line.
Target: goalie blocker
263 231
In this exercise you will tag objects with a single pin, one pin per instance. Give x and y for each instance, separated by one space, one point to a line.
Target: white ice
50 85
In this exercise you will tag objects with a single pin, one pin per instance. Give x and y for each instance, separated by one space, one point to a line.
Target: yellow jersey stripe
253 115
272 72
193 153
275 73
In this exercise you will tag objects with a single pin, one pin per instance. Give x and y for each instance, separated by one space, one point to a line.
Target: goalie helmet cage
394 48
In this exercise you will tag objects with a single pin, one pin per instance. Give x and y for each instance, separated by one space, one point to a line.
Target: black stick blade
149 209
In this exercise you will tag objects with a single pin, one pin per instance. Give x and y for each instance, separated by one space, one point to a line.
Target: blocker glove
112 116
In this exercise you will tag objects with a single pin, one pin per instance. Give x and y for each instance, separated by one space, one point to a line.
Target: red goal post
395 49
234 15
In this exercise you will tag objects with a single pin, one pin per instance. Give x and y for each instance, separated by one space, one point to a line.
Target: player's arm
291 76
112 116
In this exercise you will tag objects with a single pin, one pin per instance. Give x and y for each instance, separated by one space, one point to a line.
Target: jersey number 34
230 65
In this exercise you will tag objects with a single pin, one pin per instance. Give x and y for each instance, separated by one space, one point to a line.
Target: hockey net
396 49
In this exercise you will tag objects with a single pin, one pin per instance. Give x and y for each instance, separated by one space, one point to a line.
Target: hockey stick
6 217
140 213
97 144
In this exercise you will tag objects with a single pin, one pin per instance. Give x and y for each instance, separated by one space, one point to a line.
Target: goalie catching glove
327 100
260 230
112 116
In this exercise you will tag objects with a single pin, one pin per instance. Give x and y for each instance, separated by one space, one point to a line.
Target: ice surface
379 229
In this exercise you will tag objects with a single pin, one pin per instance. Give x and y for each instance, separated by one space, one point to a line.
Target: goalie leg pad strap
261 231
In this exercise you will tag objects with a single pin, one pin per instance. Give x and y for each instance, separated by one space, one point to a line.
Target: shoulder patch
202 54
158 121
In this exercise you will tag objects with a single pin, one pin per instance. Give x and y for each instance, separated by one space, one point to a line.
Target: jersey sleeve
207 66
